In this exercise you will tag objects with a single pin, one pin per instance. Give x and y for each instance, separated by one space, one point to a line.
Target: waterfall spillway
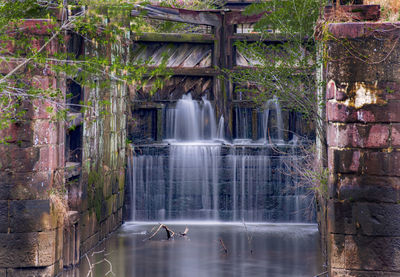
191 121
272 105
195 176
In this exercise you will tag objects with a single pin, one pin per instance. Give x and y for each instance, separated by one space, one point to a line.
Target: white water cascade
196 174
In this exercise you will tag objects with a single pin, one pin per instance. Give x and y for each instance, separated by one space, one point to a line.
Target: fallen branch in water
155 233
92 265
170 232
185 232
323 273
223 246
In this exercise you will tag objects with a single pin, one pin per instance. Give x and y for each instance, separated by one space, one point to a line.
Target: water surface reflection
275 250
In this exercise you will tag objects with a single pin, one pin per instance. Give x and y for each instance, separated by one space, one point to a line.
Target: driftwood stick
155 233
184 232
170 233
249 237
323 273
223 246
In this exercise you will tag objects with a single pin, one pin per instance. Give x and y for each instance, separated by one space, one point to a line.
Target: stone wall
363 104
31 171
42 230
97 195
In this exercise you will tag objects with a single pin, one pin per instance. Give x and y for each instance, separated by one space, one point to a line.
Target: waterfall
274 133
220 130
196 176
191 121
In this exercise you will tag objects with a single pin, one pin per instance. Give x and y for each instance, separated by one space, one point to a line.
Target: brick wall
363 112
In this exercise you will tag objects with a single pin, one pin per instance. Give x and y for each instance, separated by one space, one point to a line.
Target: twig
249 238
111 269
185 232
170 233
223 246
158 229
63 27
320 274
90 272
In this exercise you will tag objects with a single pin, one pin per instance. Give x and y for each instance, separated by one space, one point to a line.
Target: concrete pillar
363 113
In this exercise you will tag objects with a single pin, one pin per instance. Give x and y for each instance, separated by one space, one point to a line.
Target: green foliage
105 28
294 18
287 67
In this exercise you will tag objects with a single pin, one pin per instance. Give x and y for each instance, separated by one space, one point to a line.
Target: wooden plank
183 38
196 56
209 18
237 17
197 71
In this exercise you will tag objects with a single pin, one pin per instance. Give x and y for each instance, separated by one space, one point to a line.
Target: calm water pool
275 250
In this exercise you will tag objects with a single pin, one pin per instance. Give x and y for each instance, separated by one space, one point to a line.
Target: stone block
115 203
336 247
18 159
355 12
358 135
382 163
89 243
351 69
48 271
84 225
364 218
344 160
20 133
371 113
341 218
377 219
44 82
24 186
115 183
49 158
47 248
121 199
41 109
3 216
395 135
351 30
31 216
368 188
18 249
46 132
372 253
338 112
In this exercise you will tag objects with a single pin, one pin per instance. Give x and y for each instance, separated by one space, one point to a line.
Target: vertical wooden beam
254 124
159 125
227 61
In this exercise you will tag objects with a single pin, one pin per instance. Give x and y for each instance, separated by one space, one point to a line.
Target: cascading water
272 105
197 176
220 130
190 121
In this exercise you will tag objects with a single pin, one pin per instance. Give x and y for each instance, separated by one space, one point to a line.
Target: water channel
245 214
